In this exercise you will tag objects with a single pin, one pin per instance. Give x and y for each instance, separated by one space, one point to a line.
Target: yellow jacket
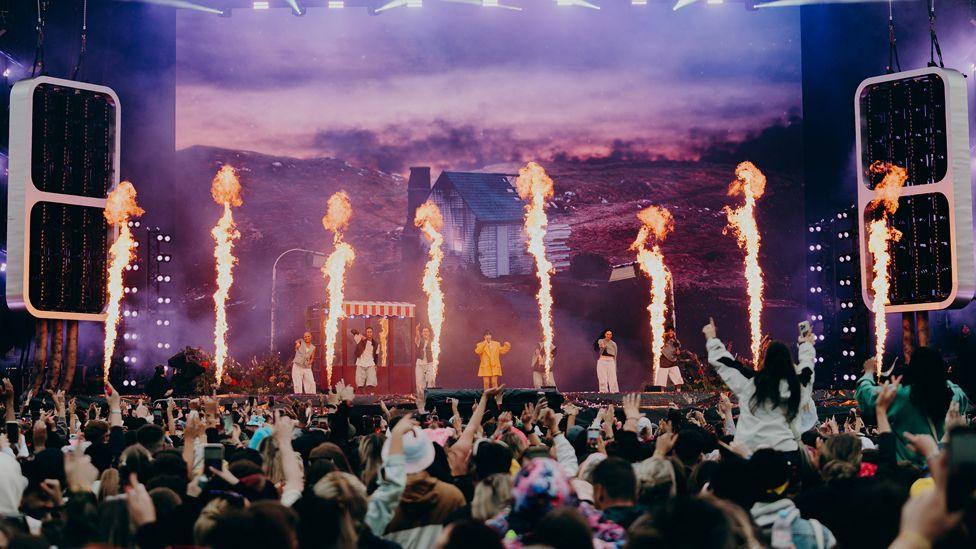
491 352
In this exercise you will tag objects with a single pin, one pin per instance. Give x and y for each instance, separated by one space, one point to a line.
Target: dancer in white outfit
367 357
541 378
301 366
606 365
669 371
424 371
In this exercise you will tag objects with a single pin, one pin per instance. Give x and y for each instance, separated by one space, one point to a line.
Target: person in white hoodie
770 398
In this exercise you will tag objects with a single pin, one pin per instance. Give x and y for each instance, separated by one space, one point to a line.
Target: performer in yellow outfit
490 352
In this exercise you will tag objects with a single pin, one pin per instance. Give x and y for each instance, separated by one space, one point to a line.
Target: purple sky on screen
466 87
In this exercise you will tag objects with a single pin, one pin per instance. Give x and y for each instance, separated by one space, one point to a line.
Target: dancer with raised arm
606 364
301 366
367 357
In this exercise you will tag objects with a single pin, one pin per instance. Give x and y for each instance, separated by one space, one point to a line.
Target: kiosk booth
393 326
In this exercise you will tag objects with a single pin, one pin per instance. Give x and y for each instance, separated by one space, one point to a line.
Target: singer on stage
301 366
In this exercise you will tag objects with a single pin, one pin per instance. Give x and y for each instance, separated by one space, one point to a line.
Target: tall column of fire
535 186
880 237
121 207
336 220
656 222
751 184
430 221
226 191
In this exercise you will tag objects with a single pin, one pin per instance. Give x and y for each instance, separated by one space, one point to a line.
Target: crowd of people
758 470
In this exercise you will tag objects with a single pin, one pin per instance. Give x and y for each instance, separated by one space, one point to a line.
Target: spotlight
126 313
682 4
165 323
166 278
159 322
135 313
812 248
125 336
137 224
638 2
159 278
296 8
159 345
125 359
125 382
135 267
261 5
159 258
166 345
159 237
167 238
336 4
166 258
167 300
159 300
135 290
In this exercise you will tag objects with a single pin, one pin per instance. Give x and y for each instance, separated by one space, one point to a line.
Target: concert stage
654 405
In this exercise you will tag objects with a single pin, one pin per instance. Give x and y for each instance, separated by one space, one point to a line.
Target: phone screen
228 423
213 456
962 469
13 432
591 436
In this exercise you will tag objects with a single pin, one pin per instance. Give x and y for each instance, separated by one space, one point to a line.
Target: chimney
418 190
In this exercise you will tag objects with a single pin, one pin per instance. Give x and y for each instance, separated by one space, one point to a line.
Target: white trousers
424 375
663 375
542 379
303 380
365 376
606 374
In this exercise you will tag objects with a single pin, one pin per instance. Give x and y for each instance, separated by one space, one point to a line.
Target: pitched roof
491 196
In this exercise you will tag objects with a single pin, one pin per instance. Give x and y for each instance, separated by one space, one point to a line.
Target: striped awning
378 308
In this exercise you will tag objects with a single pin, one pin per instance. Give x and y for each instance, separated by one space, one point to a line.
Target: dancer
301 366
367 357
606 365
670 354
424 371
541 378
490 352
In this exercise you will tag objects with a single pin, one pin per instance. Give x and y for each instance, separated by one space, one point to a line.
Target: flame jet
535 186
880 237
226 191
430 221
336 221
751 184
656 223
121 207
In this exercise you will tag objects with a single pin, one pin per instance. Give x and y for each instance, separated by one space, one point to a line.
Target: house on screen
483 218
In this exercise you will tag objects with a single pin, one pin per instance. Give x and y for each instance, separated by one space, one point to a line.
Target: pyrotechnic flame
226 190
535 186
750 183
428 218
880 236
121 206
656 222
336 220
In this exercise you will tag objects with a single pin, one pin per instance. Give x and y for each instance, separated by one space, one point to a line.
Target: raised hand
79 472
709 329
631 404
139 503
724 405
664 443
570 409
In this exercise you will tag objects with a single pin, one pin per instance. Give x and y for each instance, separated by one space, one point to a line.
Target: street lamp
274 278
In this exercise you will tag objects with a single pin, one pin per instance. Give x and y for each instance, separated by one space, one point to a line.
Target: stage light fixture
716 2
577 3
135 267
261 5
336 4
682 4
297 9
638 2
